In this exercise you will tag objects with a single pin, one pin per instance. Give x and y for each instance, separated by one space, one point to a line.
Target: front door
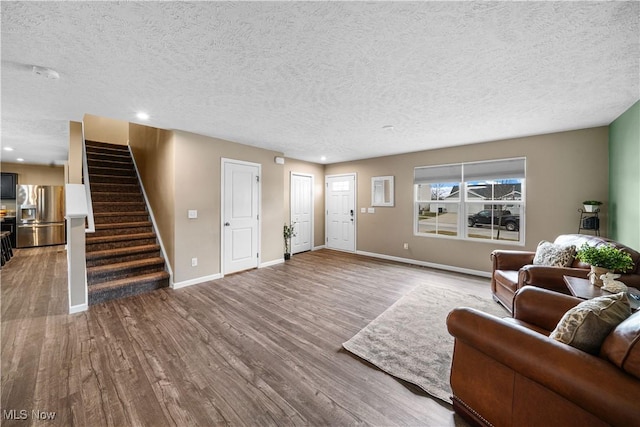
301 212
240 215
340 202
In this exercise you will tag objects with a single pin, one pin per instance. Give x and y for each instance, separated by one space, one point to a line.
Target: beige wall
182 171
75 153
36 174
102 129
563 169
153 150
198 184
317 171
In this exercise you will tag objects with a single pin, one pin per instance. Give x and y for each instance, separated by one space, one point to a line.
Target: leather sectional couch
508 372
513 270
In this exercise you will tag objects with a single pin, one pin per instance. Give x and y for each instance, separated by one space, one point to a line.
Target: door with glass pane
341 216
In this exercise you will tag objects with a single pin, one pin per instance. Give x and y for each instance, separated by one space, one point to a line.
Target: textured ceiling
315 79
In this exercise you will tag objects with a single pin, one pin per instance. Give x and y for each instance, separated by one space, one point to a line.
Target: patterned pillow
587 325
554 255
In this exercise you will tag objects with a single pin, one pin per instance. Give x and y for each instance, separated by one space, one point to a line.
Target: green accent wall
624 178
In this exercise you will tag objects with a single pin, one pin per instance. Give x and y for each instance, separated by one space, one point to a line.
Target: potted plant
591 205
288 232
603 259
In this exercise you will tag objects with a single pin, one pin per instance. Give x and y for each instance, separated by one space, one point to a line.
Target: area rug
410 339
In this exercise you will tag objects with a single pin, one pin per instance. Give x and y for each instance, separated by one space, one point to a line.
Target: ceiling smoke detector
47 73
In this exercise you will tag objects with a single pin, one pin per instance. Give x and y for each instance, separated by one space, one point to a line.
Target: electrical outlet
406 246
194 262
192 213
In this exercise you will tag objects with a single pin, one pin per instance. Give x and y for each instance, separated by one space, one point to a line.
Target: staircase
123 255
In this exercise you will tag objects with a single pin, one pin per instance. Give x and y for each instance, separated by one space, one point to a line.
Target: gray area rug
410 339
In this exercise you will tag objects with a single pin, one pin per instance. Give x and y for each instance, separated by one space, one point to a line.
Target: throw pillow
554 255
587 325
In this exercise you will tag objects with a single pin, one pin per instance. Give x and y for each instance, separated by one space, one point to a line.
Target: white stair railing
90 225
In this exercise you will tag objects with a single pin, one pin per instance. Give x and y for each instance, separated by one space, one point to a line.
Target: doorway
341 218
301 189
240 215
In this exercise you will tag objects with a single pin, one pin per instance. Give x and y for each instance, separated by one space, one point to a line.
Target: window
477 201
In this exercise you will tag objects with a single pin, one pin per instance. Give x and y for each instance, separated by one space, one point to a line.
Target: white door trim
223 162
355 210
291 175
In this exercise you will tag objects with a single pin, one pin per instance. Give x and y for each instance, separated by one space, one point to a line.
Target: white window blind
494 169
436 174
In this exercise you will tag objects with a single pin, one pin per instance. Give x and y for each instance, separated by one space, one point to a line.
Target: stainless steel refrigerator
40 215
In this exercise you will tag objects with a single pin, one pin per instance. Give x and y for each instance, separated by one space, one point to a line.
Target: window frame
463 203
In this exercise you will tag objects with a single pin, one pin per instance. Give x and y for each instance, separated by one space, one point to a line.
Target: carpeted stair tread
122 288
112 253
108 187
115 225
121 213
106 171
97 154
99 178
101 196
99 207
159 275
119 237
105 146
122 266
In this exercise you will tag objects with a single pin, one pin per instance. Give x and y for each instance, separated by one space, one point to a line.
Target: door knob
226 224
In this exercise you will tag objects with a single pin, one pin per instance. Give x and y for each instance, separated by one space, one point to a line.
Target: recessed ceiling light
8 149
387 127
20 159
323 158
142 116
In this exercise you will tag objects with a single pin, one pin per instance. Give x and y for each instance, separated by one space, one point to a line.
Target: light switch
363 210
372 210
193 214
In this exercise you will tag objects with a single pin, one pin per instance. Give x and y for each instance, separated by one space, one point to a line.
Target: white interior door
240 215
341 218
302 212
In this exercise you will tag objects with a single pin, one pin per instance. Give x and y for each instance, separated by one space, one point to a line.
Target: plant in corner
288 232
603 258
591 205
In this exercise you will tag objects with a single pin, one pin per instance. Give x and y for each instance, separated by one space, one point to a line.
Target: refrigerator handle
41 204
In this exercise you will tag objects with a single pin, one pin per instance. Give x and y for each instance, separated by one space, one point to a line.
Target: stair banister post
75 213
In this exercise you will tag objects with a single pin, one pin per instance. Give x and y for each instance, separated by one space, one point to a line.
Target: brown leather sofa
514 269
508 372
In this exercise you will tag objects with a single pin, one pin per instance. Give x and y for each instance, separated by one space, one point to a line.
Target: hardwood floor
261 347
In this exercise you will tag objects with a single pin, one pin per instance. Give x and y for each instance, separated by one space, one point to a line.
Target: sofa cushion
622 346
587 325
507 278
554 255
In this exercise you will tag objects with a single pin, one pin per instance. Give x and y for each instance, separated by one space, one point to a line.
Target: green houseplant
591 205
603 258
288 232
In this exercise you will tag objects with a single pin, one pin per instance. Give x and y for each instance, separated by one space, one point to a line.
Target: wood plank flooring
261 347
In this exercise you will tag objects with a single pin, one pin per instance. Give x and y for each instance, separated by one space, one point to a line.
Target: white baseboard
428 264
78 308
270 263
197 280
317 248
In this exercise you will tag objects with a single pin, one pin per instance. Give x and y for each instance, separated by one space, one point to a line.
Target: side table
583 289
